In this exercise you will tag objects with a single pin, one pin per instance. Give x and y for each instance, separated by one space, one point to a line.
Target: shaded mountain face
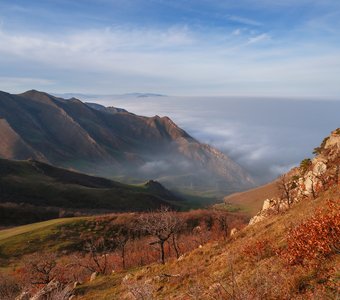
111 142
109 109
28 186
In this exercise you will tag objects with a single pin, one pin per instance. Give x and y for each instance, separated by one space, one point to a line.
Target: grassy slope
251 201
44 185
212 265
38 227
52 235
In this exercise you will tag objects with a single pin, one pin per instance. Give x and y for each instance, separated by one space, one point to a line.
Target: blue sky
247 47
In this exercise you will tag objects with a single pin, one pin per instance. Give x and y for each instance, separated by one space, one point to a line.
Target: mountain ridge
31 184
70 133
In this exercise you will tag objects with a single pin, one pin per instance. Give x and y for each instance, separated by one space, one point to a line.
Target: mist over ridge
267 136
114 143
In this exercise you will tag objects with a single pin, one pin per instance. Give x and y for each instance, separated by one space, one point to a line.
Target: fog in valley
267 136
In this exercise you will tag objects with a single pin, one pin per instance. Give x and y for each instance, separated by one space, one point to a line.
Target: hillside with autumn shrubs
291 255
289 250
74 249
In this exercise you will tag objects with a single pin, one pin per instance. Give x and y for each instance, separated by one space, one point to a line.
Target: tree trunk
174 242
226 227
161 244
123 256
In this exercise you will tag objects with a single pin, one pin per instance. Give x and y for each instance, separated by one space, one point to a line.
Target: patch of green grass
230 207
47 236
196 202
8 233
39 184
104 287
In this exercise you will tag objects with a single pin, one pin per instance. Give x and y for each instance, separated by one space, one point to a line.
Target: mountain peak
32 92
38 96
153 184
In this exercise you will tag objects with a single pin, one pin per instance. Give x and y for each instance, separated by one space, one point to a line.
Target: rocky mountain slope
110 142
311 178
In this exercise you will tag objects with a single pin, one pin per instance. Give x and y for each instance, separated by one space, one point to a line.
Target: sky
281 48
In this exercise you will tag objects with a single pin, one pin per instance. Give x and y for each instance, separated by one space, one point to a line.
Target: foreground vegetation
288 256
291 255
102 244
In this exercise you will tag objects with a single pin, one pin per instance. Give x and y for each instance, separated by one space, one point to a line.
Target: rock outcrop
93 276
53 290
307 180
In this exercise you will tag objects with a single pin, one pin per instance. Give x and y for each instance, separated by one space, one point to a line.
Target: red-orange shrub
259 249
316 238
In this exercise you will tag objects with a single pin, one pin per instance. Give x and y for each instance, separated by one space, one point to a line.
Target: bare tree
98 251
175 245
222 219
117 237
9 288
40 267
162 224
121 238
284 185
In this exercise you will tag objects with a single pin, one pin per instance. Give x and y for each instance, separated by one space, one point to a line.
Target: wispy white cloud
259 38
327 23
280 4
104 40
244 21
172 60
237 32
8 83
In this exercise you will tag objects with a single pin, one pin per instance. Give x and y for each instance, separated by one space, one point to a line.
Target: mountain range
111 142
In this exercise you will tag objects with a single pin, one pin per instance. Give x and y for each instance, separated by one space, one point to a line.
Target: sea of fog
266 136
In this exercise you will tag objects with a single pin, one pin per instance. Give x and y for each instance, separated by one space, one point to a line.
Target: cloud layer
267 136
